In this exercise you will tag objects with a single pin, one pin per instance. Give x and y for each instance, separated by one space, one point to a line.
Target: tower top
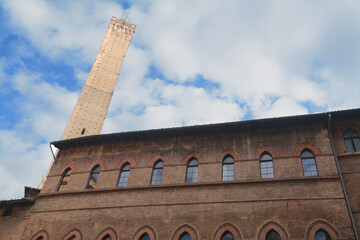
120 22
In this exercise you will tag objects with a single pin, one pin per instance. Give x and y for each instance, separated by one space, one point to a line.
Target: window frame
123 170
347 137
264 161
154 168
192 167
92 172
228 164
63 175
306 150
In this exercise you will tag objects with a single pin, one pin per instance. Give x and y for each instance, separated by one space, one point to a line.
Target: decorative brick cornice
164 158
233 153
109 231
72 232
270 150
320 224
299 148
71 165
145 229
41 233
227 227
196 155
185 228
124 160
275 226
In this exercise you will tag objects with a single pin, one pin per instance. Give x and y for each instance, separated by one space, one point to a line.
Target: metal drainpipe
341 178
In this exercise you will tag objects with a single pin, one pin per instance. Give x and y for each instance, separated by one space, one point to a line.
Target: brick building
283 178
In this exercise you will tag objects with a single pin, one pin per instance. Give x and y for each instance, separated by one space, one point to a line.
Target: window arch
94 176
157 172
227 236
65 177
308 163
192 170
321 234
352 141
266 166
106 237
72 237
107 234
74 234
41 235
185 236
228 168
272 235
124 175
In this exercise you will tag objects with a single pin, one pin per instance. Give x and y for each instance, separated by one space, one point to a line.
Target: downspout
341 178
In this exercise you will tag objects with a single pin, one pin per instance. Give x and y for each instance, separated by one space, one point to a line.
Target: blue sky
190 62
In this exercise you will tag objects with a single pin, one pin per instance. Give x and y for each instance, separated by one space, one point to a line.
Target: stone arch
75 232
270 150
41 233
71 165
301 147
320 224
196 155
146 229
272 226
227 227
233 153
109 231
99 162
185 228
124 160
164 158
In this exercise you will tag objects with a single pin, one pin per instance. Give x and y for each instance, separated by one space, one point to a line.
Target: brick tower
91 108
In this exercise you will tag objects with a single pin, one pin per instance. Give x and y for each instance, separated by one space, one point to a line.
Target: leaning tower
90 110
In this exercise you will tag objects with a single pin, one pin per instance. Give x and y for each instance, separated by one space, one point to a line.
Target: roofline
188 130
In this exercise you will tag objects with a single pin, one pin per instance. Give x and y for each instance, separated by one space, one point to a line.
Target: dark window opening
8 211
64 180
94 176
145 236
192 170
227 236
124 175
107 237
83 131
185 236
308 163
228 168
352 141
157 172
322 235
40 238
73 237
266 166
272 235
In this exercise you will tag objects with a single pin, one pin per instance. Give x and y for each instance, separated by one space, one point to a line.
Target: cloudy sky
190 62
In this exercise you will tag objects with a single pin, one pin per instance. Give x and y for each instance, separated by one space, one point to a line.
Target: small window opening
83 131
7 211
107 237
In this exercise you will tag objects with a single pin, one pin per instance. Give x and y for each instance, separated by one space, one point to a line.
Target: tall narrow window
157 172
352 141
266 166
308 163
322 235
227 236
185 236
64 179
106 237
124 174
272 235
228 168
94 175
192 170
145 236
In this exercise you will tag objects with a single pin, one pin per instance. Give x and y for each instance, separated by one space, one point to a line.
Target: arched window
272 235
308 163
322 235
73 237
64 179
157 172
124 174
192 170
185 236
266 166
228 168
107 237
40 238
352 141
94 175
145 236
227 236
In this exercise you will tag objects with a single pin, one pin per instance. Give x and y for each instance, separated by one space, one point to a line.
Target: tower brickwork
89 113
